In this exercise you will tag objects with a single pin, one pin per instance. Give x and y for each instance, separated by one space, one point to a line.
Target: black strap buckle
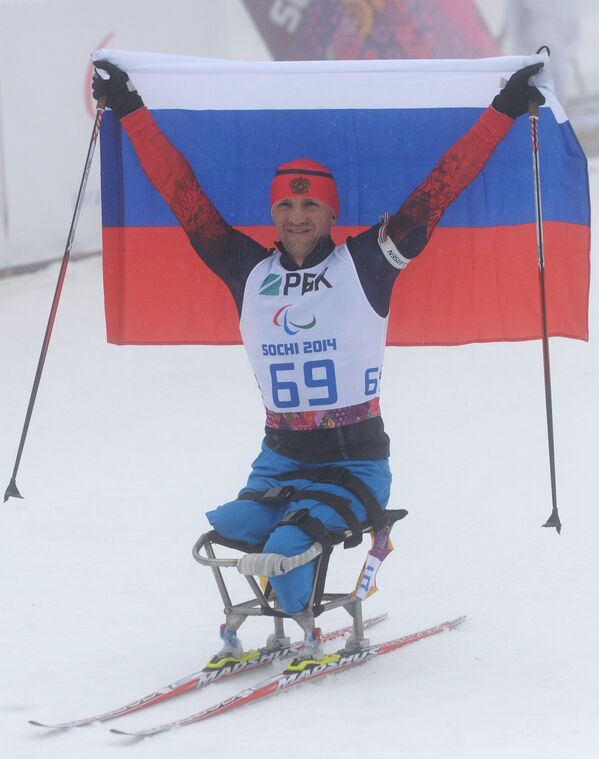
278 494
294 518
312 526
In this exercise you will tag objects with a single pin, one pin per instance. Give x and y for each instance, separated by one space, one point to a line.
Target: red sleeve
230 254
413 224
173 177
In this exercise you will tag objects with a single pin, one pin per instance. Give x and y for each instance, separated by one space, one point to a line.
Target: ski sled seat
256 564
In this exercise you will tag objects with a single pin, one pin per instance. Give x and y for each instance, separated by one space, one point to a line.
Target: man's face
301 223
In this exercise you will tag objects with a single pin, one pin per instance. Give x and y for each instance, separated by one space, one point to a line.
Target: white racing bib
312 338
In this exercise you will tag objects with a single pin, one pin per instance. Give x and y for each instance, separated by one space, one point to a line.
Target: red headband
305 177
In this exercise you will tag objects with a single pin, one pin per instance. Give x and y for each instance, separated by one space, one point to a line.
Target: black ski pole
533 114
12 489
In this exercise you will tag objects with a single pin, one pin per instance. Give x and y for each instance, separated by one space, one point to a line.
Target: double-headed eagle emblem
299 185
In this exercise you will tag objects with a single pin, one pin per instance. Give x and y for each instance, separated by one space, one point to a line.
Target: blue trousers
254 523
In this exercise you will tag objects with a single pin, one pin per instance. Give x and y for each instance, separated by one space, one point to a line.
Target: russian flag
380 126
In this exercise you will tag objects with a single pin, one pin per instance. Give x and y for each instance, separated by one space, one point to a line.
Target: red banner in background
370 29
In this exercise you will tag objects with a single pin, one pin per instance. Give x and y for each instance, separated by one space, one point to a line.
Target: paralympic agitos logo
282 319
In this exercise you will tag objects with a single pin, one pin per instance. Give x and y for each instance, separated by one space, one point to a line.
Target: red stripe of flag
162 293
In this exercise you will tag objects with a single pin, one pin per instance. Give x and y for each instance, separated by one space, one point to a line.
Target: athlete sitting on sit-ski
321 393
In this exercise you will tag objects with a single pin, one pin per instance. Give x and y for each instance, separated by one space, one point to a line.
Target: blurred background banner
380 126
351 29
46 113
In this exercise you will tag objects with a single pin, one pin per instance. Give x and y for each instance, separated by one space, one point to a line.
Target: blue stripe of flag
377 156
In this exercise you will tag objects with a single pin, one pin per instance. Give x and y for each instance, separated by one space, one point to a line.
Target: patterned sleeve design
230 254
411 227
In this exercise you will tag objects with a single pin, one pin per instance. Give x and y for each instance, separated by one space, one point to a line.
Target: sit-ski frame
254 563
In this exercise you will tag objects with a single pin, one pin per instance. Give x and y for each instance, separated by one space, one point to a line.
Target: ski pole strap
338 475
311 525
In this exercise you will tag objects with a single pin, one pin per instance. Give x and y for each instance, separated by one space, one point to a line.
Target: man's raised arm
410 228
223 249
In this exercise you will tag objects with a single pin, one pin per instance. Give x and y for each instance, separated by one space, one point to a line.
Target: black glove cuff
127 104
501 103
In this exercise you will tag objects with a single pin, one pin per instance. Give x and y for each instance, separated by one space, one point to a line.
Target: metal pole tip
554 521
12 491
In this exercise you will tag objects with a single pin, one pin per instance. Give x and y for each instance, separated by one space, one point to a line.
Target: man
313 319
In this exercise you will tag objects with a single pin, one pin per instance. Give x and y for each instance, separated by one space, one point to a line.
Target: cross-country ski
207 676
297 672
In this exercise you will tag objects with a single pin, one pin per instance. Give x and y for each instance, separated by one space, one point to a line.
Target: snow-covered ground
102 602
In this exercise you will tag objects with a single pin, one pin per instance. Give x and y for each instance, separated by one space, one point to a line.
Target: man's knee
248 521
288 540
